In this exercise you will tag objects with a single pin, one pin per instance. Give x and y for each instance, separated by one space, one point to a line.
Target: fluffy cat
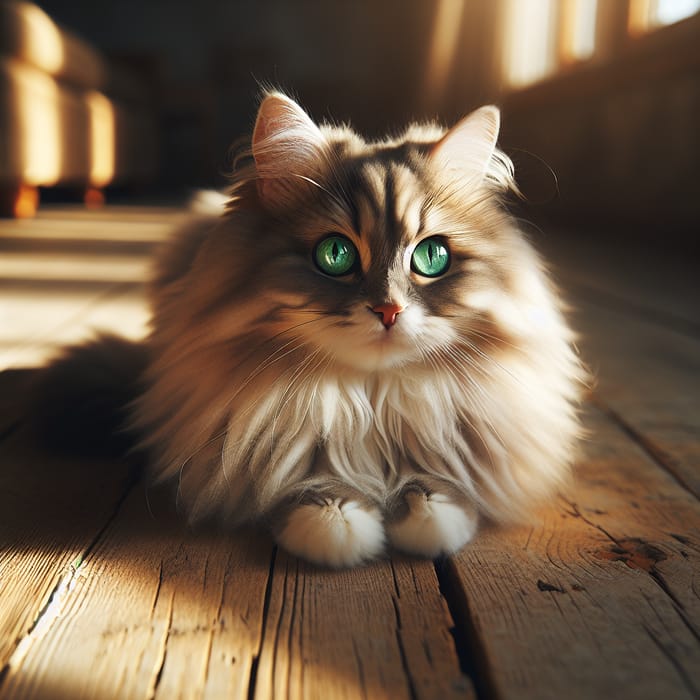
364 350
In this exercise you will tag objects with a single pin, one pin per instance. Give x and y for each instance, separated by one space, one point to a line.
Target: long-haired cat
363 350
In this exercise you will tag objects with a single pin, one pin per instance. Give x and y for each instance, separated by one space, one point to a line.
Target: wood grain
640 335
601 597
648 379
68 273
378 632
51 512
153 612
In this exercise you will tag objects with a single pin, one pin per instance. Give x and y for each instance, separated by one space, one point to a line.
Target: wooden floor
104 594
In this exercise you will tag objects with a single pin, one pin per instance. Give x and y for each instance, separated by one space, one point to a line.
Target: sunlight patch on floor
71 274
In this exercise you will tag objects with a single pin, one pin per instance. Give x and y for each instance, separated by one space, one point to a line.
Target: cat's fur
274 392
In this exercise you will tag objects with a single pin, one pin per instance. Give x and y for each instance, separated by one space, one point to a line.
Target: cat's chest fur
366 429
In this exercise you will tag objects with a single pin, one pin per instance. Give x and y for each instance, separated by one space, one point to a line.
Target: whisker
458 372
311 181
287 397
261 367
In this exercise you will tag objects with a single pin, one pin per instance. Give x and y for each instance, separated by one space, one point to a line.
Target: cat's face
386 252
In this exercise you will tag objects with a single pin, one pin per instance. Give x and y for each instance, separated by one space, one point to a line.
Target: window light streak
578 29
528 41
670 11
638 18
645 15
446 31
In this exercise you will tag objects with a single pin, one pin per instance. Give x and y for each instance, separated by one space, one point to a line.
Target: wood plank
153 612
649 378
122 213
63 279
72 266
38 323
51 512
47 231
378 632
156 612
600 599
636 312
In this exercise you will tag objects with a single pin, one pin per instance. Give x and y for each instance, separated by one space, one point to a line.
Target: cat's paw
429 522
333 532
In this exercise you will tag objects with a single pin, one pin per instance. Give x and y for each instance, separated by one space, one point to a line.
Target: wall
622 137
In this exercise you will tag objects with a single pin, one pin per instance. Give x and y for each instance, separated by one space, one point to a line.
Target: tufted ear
287 148
469 145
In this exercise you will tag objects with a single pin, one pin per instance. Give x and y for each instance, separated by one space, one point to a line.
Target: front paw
332 531
430 521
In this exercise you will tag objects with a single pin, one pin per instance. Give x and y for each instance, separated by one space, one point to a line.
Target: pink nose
388 312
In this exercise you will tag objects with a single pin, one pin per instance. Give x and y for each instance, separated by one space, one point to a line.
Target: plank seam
161 665
217 616
654 452
61 591
469 647
156 595
46 616
685 679
405 665
402 650
253 678
360 669
292 620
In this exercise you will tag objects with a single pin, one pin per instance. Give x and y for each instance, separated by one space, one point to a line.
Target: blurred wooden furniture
67 116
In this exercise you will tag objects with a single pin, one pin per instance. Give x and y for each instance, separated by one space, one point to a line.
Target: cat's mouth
388 347
379 350
372 342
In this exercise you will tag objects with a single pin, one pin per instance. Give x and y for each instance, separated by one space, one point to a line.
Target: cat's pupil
335 255
431 257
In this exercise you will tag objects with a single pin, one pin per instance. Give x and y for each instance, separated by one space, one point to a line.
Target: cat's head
387 253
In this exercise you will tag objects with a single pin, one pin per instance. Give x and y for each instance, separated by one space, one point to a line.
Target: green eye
335 255
431 258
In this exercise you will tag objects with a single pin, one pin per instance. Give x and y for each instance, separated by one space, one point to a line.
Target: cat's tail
79 403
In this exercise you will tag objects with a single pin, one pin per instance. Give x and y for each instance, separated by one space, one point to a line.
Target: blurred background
601 98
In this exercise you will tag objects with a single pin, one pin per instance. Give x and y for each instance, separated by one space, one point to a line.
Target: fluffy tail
79 403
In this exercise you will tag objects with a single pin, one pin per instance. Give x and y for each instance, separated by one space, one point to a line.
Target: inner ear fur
287 148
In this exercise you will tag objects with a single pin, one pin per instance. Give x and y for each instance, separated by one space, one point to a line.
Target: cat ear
287 147
469 145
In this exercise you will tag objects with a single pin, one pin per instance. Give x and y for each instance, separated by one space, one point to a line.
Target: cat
363 351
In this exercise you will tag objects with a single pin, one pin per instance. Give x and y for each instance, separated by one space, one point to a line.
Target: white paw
433 526
334 533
